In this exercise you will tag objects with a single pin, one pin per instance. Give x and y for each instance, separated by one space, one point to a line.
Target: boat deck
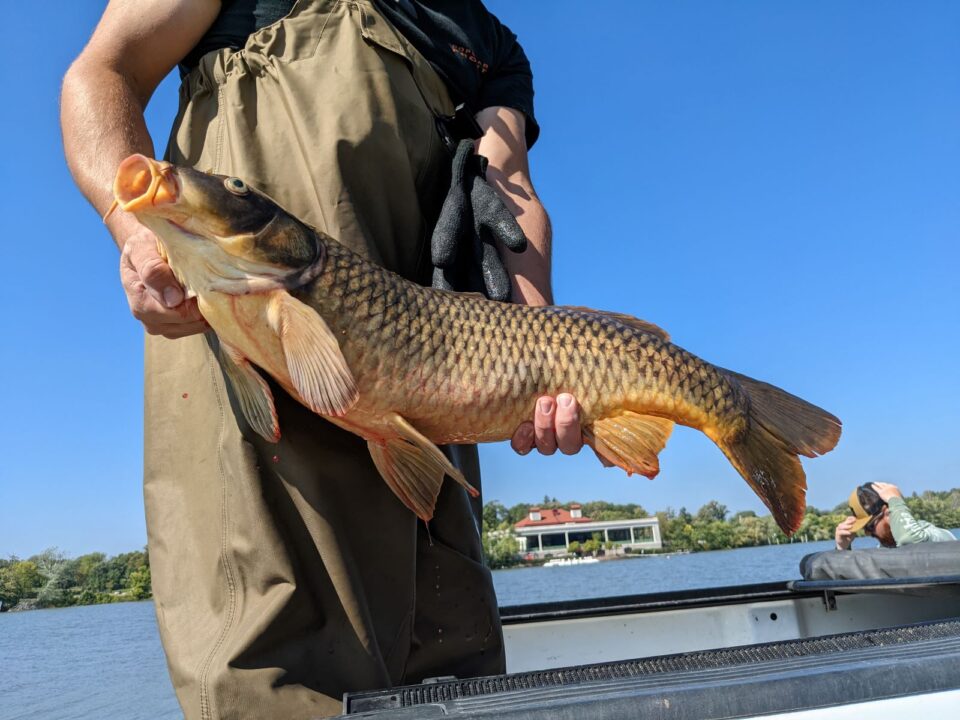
739 652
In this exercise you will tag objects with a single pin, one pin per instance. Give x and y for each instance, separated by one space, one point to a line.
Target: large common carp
407 367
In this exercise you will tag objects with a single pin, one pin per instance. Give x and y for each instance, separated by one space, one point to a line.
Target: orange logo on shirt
468 54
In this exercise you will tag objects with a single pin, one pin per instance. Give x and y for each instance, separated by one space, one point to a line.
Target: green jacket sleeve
907 529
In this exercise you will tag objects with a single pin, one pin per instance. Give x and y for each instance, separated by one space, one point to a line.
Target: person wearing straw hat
880 511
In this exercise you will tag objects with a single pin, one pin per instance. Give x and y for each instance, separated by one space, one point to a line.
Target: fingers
522 441
843 538
569 434
847 523
153 272
886 490
155 297
844 534
556 426
544 418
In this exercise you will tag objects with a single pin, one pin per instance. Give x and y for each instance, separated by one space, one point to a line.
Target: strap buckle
462 125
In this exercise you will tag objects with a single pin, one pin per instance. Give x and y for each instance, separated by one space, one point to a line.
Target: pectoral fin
413 467
630 441
253 393
317 368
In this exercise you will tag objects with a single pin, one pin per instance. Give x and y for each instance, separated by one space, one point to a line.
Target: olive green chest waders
287 574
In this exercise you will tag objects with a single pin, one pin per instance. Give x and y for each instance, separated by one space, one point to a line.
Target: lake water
105 661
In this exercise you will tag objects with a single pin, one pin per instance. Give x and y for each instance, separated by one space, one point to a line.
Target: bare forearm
504 145
102 120
136 43
530 270
134 46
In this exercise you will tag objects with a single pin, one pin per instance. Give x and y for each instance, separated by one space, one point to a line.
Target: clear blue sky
776 184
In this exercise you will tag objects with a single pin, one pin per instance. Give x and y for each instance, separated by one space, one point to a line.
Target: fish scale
605 364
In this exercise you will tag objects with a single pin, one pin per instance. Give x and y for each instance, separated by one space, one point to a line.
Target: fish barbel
407 367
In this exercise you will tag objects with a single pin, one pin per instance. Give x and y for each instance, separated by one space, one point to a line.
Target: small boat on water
563 562
879 646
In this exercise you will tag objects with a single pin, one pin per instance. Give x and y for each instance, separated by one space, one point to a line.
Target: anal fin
630 441
252 392
413 467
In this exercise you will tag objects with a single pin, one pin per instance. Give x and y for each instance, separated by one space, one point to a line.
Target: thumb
156 275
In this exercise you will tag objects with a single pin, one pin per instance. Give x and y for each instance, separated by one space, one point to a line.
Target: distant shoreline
50 579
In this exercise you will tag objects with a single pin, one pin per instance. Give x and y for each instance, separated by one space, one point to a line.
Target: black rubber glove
472 220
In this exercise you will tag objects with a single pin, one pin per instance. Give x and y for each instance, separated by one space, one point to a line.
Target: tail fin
782 426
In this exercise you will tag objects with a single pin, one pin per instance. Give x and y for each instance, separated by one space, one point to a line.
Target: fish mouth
143 183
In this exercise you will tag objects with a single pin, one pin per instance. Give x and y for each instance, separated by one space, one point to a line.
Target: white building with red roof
549 531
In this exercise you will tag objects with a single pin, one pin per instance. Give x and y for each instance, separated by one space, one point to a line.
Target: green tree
518 513
140 588
494 513
715 535
49 561
712 511
57 591
85 565
939 508
676 529
749 530
501 549
20 579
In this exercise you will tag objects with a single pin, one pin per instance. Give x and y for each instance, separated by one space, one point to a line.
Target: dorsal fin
630 320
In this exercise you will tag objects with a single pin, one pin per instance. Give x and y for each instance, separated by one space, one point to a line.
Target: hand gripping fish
407 367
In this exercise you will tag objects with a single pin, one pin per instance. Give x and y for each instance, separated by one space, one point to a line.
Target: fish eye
236 186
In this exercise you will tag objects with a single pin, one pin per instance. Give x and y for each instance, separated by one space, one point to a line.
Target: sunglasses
871 526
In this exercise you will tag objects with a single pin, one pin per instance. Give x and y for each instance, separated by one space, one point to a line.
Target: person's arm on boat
906 529
135 45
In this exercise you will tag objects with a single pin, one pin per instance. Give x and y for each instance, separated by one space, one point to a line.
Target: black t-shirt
478 57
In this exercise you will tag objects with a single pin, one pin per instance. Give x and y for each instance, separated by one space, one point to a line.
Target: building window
553 540
619 535
643 534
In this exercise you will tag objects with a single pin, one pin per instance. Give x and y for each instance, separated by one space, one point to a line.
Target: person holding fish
286 573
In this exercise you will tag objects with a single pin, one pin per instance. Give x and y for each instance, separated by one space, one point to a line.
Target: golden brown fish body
408 367
463 369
